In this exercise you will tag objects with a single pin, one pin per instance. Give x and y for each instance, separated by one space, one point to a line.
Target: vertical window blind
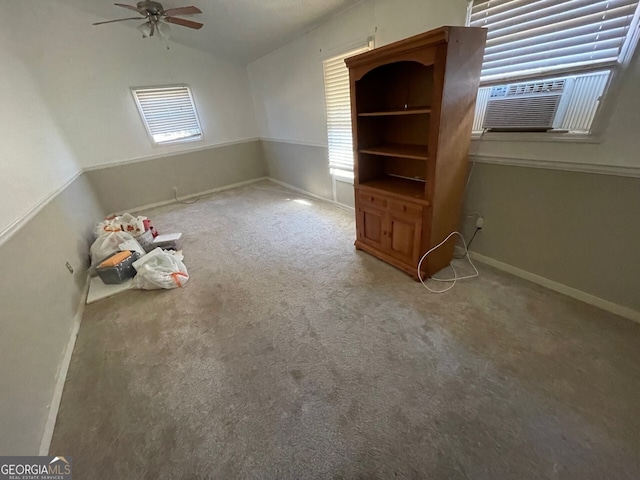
168 113
338 104
529 38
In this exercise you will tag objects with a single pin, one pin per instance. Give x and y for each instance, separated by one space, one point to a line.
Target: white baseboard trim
560 288
191 196
312 195
50 424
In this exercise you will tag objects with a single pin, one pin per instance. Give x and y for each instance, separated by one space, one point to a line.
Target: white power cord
473 164
455 274
466 185
175 195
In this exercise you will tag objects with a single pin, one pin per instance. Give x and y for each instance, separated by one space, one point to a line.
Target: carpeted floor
290 355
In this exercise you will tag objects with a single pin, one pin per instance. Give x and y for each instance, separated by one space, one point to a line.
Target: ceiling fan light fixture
164 30
146 29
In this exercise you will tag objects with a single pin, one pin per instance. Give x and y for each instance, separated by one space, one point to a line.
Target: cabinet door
371 226
404 238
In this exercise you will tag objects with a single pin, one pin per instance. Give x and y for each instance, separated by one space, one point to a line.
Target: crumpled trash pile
129 248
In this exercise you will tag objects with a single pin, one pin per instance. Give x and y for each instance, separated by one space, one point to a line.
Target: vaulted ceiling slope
239 30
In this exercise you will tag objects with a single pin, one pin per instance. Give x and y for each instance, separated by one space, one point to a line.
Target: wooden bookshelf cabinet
412 106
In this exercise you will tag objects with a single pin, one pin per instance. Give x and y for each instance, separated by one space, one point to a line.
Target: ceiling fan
156 16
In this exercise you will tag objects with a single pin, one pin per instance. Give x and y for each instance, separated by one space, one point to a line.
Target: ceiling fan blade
130 7
182 11
120 20
153 29
184 23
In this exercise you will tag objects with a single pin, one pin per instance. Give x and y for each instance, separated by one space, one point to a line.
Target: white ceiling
241 30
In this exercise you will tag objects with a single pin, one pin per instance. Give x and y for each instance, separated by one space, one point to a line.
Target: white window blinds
338 102
168 113
529 38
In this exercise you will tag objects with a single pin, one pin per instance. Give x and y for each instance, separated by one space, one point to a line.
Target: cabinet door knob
404 208
372 199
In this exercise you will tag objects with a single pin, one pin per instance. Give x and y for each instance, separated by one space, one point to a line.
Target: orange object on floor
115 259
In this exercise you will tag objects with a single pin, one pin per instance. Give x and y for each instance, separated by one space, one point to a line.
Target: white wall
67 105
35 157
85 73
287 84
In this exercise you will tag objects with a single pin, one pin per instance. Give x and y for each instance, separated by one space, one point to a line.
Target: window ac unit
533 106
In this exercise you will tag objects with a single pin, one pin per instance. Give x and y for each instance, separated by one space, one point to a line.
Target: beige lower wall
306 167
39 298
302 166
130 185
345 194
577 229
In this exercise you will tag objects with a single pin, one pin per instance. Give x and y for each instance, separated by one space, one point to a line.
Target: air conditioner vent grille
531 88
532 112
536 87
576 109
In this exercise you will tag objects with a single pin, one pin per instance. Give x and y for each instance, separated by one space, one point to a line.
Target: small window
168 113
338 103
547 63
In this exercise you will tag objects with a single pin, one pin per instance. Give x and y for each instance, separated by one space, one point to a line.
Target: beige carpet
290 355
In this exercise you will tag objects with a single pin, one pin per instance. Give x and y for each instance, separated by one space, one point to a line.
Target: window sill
197 138
536 137
567 166
344 177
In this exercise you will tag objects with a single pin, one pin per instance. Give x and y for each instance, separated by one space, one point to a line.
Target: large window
338 102
168 113
547 63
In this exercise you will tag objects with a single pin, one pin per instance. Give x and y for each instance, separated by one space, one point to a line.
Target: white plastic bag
123 223
108 244
132 225
160 269
107 226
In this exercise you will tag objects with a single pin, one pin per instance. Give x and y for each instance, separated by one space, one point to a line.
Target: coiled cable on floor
455 274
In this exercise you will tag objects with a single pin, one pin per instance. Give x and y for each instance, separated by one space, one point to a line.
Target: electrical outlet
479 222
